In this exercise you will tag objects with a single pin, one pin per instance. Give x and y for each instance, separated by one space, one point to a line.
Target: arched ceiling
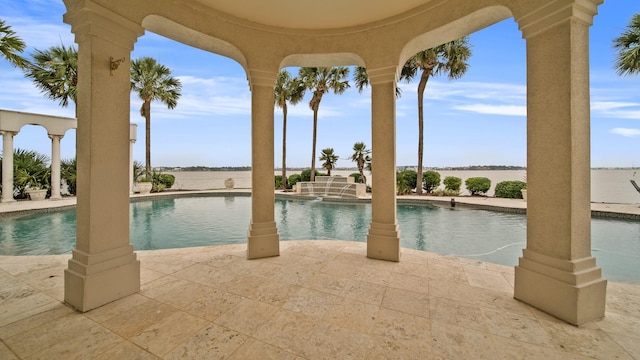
324 14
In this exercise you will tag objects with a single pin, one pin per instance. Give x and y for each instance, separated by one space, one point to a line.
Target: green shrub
161 182
305 175
293 179
431 180
356 177
166 179
406 181
278 181
452 183
510 189
478 185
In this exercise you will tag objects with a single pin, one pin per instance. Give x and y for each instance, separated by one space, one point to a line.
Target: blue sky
477 120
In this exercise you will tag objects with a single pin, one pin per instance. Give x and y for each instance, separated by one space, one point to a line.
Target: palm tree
287 90
449 58
361 79
153 81
322 80
55 72
628 46
330 159
11 45
361 156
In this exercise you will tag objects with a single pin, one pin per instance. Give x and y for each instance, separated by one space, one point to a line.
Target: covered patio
556 274
317 300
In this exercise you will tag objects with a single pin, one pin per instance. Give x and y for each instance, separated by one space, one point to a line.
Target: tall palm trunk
284 145
421 86
313 150
363 179
146 108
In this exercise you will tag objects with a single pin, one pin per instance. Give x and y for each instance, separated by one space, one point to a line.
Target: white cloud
616 109
625 132
37 34
483 98
507 110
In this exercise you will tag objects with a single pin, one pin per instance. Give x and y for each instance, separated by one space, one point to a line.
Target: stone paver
318 299
333 311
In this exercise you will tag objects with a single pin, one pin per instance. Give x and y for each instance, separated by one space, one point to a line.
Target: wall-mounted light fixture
114 64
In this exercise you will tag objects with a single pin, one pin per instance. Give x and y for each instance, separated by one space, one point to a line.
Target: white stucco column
557 273
263 239
103 266
133 136
55 166
7 165
383 240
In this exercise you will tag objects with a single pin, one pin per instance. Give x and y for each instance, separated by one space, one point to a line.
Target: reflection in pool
214 220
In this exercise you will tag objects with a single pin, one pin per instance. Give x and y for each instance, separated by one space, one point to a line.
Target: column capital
8 132
556 12
383 75
54 136
88 19
261 78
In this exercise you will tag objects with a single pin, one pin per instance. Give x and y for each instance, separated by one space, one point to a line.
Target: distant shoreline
452 168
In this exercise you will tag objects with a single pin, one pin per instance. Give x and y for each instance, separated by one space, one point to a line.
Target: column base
571 290
93 280
263 240
383 242
7 201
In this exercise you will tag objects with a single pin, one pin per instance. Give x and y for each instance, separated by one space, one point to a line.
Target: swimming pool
215 220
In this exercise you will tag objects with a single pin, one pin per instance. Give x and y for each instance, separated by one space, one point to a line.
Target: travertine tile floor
318 300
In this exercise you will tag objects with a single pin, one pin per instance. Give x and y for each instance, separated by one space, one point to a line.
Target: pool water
199 221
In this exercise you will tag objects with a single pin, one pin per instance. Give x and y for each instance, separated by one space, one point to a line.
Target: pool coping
518 206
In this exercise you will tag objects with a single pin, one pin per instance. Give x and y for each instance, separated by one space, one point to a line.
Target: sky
479 119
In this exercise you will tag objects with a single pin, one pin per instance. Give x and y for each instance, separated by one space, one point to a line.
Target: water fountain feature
332 186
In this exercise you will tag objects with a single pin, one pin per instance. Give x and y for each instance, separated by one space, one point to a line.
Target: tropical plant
153 81
278 181
287 90
139 172
627 44
478 185
55 72
321 80
405 181
69 173
361 156
11 45
330 159
162 181
361 79
31 171
431 180
449 58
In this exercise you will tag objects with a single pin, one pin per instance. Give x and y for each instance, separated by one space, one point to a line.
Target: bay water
607 185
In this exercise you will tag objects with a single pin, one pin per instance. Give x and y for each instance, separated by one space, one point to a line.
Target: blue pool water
197 221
